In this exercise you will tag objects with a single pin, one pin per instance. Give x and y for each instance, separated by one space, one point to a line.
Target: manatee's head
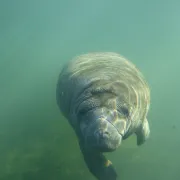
102 129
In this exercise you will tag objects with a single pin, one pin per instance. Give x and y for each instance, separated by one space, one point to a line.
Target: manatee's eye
87 106
122 108
83 115
83 118
125 111
83 109
82 112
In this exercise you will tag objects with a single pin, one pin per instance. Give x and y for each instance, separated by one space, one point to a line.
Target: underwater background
37 37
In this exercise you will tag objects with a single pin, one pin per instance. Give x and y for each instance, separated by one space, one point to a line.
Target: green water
37 37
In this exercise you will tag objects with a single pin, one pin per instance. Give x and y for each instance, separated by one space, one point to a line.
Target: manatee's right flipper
143 132
98 165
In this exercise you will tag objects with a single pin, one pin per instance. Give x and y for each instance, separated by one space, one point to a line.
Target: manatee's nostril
102 134
106 133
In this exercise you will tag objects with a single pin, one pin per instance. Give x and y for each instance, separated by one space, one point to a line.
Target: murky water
37 37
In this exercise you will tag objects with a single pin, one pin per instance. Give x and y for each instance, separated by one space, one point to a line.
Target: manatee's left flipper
98 165
143 132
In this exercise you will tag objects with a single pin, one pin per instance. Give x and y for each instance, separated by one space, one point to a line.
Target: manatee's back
98 69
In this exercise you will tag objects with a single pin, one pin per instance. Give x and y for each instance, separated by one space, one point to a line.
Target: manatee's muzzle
101 133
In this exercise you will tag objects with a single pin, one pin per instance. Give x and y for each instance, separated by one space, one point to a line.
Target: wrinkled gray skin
105 99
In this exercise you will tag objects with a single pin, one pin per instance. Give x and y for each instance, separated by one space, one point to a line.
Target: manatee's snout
105 140
99 133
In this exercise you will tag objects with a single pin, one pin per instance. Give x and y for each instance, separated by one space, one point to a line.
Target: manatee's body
105 99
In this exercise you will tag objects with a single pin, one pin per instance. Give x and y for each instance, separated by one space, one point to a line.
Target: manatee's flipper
143 132
98 165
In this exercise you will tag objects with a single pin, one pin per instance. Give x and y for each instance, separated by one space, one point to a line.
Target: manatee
105 99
